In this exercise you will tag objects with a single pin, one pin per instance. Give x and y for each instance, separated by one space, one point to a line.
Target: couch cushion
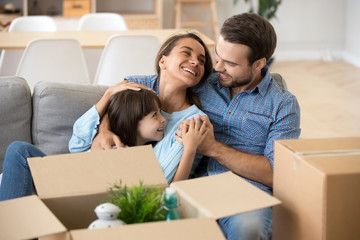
15 113
56 106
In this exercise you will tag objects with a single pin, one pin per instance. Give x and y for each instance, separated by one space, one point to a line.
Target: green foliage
267 8
138 203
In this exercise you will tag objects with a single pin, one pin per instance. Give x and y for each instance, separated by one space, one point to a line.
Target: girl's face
150 128
185 63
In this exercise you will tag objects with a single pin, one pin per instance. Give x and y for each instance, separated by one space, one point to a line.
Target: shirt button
229 112
225 129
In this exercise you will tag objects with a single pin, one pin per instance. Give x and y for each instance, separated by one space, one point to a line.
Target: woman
182 62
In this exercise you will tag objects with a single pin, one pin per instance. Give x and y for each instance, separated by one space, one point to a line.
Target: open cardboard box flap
94 172
27 218
221 195
70 186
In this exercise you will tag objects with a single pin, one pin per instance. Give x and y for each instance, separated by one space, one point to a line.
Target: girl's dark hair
251 30
166 49
126 109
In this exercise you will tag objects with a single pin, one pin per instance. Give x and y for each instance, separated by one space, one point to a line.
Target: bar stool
185 18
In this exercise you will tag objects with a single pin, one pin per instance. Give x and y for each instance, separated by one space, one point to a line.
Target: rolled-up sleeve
286 126
84 131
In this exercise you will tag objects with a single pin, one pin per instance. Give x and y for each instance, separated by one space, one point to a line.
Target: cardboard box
318 183
70 186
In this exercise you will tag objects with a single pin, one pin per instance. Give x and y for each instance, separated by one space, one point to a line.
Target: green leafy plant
139 203
266 8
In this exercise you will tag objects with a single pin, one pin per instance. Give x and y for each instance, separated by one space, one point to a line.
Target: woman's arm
84 130
192 136
106 139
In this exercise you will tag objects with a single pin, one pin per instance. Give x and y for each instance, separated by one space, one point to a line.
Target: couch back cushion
15 113
56 106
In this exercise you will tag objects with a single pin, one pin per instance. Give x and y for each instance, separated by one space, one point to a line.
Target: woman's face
185 63
150 128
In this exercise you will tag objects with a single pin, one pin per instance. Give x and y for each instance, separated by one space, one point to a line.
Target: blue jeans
17 180
250 225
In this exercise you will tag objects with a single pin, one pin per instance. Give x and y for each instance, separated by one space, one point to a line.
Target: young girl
135 117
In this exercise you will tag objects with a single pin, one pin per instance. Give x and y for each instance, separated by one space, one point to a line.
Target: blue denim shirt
250 121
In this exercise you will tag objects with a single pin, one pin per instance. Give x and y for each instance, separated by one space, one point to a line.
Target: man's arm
255 167
250 166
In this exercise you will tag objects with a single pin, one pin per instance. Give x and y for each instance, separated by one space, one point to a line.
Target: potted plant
138 203
265 8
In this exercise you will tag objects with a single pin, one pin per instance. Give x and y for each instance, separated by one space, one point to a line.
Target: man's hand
193 134
208 141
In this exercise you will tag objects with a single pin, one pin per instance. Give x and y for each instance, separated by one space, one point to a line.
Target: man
248 111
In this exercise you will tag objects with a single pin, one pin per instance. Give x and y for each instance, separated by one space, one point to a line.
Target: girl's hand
193 133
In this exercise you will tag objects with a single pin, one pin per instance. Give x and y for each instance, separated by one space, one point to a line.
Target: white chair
56 60
102 22
127 55
99 22
9 59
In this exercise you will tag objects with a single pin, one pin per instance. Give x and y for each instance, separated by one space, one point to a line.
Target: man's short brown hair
252 30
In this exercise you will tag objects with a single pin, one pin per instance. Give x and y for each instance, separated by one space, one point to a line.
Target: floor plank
328 94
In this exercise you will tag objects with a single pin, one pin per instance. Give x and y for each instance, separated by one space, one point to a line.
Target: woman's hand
102 105
105 139
126 85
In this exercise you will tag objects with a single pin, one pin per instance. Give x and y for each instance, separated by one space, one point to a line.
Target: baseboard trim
351 58
323 54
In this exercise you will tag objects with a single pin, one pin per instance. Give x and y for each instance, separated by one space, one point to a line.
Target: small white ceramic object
107 214
10 7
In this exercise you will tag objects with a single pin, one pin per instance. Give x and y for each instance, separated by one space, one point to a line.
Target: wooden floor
328 94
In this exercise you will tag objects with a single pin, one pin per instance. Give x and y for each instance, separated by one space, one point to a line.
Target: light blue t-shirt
168 151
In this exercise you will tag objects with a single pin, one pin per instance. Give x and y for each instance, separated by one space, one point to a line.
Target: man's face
232 63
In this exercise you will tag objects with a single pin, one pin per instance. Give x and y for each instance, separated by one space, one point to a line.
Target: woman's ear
162 64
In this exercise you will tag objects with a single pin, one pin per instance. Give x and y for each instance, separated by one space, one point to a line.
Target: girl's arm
192 136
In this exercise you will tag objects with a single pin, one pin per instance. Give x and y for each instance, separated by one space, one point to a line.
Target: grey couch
44 118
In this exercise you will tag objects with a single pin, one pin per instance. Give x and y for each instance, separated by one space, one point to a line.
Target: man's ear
260 63
162 64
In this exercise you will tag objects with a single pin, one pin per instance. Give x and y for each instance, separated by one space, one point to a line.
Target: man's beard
238 83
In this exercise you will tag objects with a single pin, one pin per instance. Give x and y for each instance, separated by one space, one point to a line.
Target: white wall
352 32
306 29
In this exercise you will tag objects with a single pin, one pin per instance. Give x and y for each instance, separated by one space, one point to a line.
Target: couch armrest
15 113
